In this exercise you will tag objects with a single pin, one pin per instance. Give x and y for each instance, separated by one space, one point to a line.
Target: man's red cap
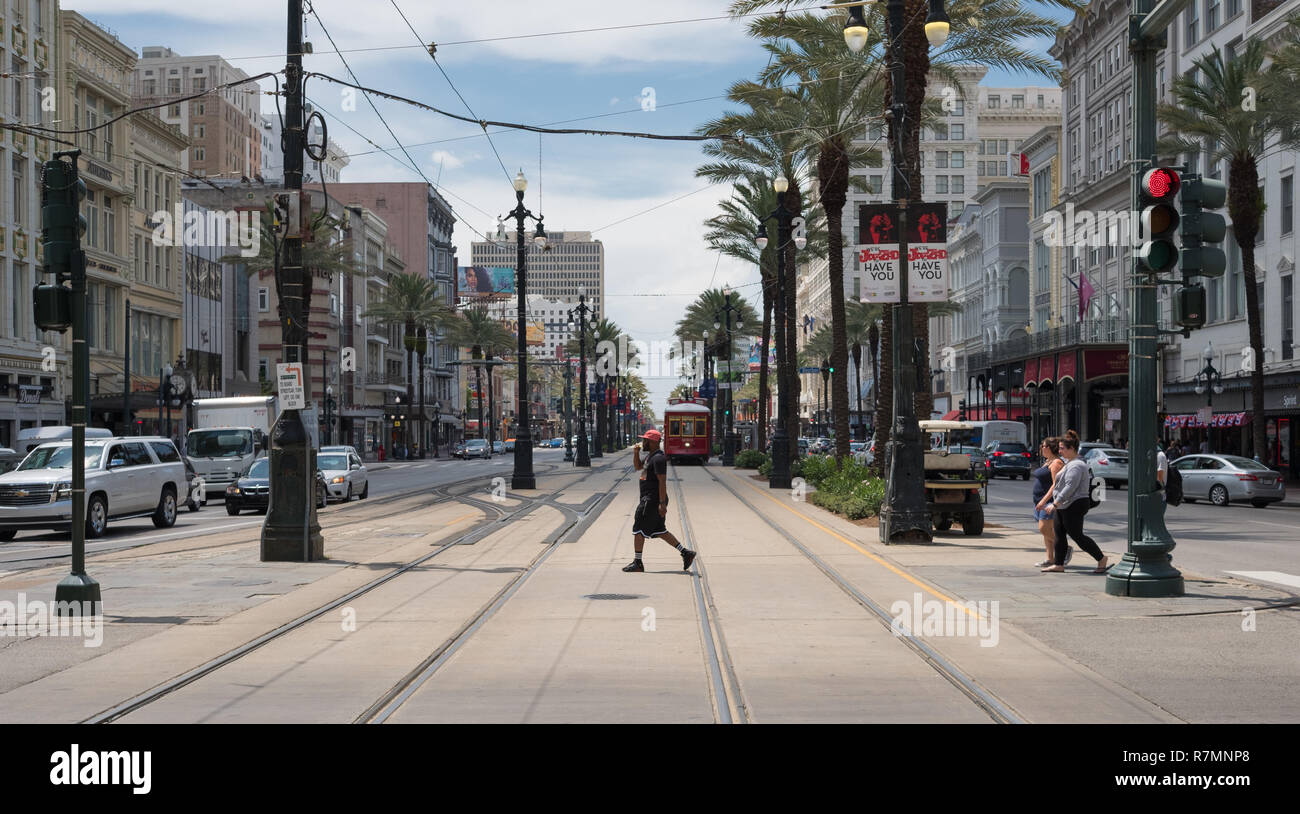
653 435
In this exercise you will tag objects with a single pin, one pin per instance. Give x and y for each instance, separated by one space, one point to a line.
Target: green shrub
854 499
750 459
765 468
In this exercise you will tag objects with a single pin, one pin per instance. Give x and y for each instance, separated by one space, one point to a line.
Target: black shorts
647 520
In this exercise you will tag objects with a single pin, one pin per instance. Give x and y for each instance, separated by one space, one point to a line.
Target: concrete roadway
38 548
1238 540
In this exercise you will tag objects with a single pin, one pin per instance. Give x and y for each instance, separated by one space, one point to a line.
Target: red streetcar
687 427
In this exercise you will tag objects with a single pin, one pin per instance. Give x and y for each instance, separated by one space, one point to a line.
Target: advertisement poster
877 252
927 252
484 281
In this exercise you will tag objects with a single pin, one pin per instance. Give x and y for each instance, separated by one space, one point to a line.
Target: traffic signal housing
62 227
1156 191
1200 227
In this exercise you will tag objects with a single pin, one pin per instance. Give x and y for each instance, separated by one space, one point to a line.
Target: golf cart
952 487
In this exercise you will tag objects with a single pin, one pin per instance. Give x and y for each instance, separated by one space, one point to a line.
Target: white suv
125 477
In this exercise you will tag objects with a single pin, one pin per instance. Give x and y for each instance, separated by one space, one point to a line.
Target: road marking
1269 576
867 553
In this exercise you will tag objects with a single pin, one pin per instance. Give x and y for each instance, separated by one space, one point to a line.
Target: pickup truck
135 476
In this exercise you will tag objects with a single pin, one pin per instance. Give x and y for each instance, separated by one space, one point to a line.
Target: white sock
637 556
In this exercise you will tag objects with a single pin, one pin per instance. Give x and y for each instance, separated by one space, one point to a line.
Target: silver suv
125 477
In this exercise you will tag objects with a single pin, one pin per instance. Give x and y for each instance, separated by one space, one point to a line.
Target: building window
959 184
995 102
1288 318
941 184
1211 15
958 132
941 131
1193 24
960 108
1017 101
1040 101
1288 203
958 158
876 184
263 299
941 159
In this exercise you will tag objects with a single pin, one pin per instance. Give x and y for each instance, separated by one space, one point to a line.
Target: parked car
1109 464
345 474
252 490
138 476
498 447
1009 458
476 448
510 445
556 443
1224 479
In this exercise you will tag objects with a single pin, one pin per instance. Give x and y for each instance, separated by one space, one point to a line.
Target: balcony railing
1110 331
386 378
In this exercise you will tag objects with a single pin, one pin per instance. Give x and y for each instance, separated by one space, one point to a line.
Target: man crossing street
653 505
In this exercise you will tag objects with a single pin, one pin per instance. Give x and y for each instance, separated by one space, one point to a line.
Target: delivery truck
231 433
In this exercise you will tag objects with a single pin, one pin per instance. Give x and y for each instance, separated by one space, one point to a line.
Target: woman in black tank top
1044 478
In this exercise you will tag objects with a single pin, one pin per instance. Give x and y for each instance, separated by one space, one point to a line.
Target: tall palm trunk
478 387
873 339
492 407
833 172
421 345
787 332
762 366
856 350
1244 208
884 418
408 339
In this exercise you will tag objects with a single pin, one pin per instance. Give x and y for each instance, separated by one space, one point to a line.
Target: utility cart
952 485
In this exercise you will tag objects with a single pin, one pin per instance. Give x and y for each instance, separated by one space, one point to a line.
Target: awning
1031 372
1192 420
951 415
1047 369
998 413
1065 366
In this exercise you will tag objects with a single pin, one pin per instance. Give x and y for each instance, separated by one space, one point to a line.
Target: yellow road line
867 553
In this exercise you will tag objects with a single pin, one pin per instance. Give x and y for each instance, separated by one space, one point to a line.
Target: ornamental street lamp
780 477
523 477
329 414
568 410
904 518
826 381
1209 382
583 457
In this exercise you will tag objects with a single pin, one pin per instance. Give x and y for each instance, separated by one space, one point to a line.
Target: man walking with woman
1070 502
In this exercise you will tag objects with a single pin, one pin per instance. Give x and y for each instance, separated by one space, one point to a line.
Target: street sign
810 370
289 377
730 385
1205 414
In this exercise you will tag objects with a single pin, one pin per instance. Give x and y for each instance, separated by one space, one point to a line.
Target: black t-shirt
655 467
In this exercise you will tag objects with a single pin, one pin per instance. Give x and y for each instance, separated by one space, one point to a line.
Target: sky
640 197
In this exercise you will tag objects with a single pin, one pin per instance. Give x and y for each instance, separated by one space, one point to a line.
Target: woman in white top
1070 502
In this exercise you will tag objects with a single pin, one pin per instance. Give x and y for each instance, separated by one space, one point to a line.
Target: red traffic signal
1160 184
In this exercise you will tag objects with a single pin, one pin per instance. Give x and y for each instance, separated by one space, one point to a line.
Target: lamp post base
905 517
1144 576
77 594
292 532
780 477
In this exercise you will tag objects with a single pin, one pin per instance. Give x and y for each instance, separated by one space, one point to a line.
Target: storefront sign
1100 363
29 394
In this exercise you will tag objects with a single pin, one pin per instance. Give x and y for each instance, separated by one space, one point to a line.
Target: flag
1085 294
1017 164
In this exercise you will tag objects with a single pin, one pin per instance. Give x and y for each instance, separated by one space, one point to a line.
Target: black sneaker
635 565
688 557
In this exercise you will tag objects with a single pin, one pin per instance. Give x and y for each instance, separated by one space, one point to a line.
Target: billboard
484 281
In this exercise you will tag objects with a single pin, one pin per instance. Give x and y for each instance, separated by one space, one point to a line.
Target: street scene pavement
790 614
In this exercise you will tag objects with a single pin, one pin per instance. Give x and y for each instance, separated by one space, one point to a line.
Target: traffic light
61 229
1159 219
1198 260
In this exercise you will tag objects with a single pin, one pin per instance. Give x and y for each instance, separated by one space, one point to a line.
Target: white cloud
446 160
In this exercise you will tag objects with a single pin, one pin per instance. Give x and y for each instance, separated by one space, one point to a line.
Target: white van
32 437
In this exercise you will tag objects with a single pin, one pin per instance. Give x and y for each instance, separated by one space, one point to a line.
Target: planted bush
750 459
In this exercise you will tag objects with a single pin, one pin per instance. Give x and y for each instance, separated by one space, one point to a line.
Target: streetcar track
479 531
725 689
411 683
990 704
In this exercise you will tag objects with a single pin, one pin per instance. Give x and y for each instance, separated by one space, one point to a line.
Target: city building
224 127
34 384
419 224
330 170
569 261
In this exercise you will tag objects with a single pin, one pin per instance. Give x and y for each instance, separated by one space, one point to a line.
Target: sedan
556 443
476 448
1224 479
345 475
252 490
1008 458
458 451
978 460
498 447
1109 464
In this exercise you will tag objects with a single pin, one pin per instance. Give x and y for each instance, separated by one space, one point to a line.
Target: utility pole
292 530
1146 569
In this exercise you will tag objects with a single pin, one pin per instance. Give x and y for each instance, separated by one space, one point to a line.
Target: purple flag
1085 294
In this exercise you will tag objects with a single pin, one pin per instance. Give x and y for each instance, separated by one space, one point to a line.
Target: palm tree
983 33
770 149
413 303
833 98
700 317
1198 120
475 329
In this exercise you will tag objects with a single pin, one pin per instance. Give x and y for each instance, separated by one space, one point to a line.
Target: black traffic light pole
57 307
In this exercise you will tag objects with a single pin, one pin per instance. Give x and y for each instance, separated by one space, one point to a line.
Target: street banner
927 252
877 252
